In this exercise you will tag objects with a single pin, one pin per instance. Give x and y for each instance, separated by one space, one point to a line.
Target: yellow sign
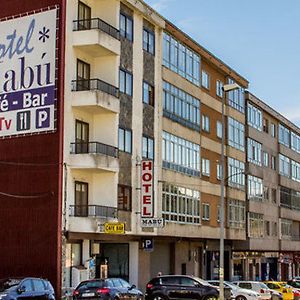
115 228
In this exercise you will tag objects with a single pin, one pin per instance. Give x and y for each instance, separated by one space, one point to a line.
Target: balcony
96 37
95 96
87 218
290 243
94 155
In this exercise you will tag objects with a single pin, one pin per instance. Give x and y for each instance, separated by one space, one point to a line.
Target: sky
259 39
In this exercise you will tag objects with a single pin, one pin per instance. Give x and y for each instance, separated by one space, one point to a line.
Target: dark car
26 288
180 287
109 288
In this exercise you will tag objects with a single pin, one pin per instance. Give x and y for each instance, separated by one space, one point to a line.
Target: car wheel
211 297
240 297
159 297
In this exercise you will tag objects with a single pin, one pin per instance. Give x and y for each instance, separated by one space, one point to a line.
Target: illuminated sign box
147 189
114 228
27 74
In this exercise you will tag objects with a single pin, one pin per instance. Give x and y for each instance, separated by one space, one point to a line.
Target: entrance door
84 16
83 75
82 137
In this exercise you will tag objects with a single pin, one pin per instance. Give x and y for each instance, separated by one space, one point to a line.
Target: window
180 155
205 167
274 228
219 88
124 197
219 171
219 213
256 225
273 130
125 82
236 98
180 204
274 197
84 16
27 285
295 142
254 117
295 171
284 166
126 27
180 59
81 137
181 107
148 147
81 199
205 123
125 140
273 162
289 198
148 93
83 76
254 152
266 159
205 211
266 193
237 214
236 134
205 79
38 285
267 228
236 170
284 135
219 129
286 228
265 125
255 188
148 41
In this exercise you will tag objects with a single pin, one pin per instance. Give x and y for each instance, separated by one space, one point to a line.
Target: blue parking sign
148 244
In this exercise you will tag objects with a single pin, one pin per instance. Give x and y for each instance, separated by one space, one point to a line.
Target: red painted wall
30 228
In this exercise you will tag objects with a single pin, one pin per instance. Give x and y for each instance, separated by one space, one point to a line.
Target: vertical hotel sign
147 189
27 73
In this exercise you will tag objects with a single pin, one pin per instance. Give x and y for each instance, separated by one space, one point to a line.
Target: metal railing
93 211
95 84
96 23
94 148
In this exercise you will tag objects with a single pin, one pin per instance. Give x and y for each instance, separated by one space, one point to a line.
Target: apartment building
272 195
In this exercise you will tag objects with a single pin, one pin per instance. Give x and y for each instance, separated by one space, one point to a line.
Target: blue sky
260 39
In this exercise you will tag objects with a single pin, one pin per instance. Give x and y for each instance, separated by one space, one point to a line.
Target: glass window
181 107
83 76
148 93
124 197
295 171
126 27
205 79
273 162
125 140
236 134
27 285
219 171
284 135
219 88
237 214
148 147
236 98
205 211
181 205
273 130
81 199
219 129
286 228
205 123
180 59
236 173
205 167
254 152
254 117
266 159
38 285
125 82
148 41
84 16
265 125
256 225
295 142
255 188
284 165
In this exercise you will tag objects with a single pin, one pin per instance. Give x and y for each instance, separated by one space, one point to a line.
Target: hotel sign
147 189
27 73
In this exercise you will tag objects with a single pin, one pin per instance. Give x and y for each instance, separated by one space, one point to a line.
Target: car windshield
232 286
91 284
203 282
6 284
263 286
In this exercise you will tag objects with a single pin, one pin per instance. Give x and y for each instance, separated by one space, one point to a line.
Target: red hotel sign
147 189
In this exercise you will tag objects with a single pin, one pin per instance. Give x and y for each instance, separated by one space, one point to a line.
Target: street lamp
226 88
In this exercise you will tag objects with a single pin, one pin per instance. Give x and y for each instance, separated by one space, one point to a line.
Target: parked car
295 283
26 288
256 286
281 287
109 288
169 287
237 292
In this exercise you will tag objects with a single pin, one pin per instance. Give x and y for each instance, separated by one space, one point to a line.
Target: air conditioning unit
79 273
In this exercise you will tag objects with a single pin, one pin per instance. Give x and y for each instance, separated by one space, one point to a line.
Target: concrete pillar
85 250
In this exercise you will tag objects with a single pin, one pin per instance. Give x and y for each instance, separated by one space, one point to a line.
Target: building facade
128 167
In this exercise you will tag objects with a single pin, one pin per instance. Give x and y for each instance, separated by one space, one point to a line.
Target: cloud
161 5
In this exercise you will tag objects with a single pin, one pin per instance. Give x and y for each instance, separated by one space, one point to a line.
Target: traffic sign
114 228
148 244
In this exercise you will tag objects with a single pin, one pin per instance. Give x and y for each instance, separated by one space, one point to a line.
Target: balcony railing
94 148
94 84
93 211
96 23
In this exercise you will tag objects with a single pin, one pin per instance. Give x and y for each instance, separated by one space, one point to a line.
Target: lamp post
226 88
